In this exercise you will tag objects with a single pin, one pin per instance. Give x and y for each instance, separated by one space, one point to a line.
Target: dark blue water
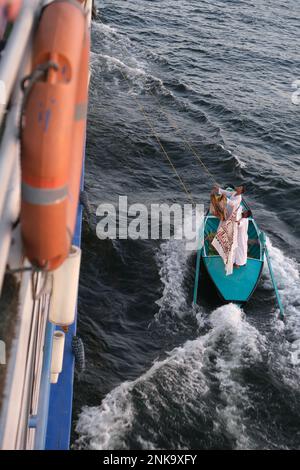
161 374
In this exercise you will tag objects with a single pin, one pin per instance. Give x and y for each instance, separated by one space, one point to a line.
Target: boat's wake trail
232 348
288 280
223 389
182 390
285 336
172 259
119 60
131 413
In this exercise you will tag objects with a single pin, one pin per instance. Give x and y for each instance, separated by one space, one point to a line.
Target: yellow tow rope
175 126
142 109
187 143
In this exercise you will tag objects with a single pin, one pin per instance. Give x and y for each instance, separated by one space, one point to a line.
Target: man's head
247 214
240 190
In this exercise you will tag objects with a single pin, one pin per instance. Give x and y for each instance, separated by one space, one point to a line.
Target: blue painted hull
239 286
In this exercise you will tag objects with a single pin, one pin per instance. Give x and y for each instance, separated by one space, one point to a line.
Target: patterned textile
225 241
218 206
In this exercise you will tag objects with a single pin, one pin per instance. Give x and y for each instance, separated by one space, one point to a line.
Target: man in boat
242 240
234 200
226 239
218 203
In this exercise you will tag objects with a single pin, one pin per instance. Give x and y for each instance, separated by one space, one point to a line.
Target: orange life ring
79 132
53 121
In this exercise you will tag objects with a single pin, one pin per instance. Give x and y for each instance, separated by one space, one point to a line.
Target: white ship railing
21 395
25 400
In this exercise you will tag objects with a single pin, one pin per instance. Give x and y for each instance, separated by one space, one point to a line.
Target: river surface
161 374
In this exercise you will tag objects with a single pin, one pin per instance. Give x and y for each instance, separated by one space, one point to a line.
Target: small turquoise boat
239 286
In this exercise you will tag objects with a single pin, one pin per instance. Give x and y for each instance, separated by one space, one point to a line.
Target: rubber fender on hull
53 133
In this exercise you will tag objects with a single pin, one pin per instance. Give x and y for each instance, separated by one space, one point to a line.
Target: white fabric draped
233 202
242 242
225 241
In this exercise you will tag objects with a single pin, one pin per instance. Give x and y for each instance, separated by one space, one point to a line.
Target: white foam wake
134 73
242 347
172 259
110 35
288 280
180 380
110 425
285 336
118 54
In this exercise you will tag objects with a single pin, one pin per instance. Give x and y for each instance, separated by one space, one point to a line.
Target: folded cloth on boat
225 241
